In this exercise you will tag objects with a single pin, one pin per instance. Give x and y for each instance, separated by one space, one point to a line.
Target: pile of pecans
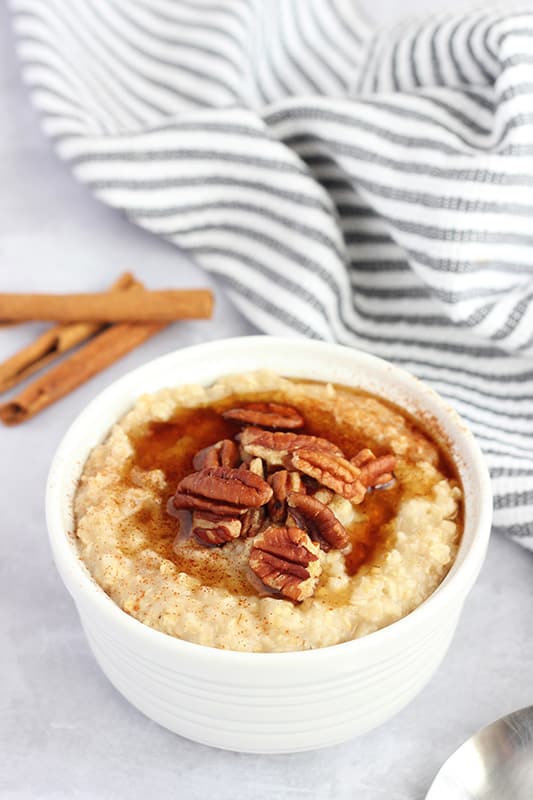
263 485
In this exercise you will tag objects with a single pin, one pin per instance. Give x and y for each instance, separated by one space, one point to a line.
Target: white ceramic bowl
268 702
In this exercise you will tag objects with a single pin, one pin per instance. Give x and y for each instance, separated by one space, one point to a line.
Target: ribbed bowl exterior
277 702
269 710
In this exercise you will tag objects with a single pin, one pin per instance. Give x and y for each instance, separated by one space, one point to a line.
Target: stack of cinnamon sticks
114 322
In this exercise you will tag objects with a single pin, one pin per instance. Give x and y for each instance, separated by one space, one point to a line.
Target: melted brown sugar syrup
170 447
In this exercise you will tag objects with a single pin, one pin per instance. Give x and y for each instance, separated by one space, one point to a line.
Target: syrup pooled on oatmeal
171 446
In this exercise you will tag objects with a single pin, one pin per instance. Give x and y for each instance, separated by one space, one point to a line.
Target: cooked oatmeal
229 581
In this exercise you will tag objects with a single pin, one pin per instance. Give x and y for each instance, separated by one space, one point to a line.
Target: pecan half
275 447
363 457
319 521
331 470
213 529
287 561
324 495
283 483
222 490
252 521
256 466
379 472
374 471
221 454
266 415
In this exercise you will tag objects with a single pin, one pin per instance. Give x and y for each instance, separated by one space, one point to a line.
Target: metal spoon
496 763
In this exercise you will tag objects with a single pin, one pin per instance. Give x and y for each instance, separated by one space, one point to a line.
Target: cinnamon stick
137 305
52 343
96 355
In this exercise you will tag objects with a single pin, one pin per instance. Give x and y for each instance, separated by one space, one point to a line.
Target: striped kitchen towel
374 187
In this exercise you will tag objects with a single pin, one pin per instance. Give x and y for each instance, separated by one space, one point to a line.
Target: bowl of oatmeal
269 541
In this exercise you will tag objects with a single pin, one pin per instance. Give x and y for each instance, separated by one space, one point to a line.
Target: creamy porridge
265 514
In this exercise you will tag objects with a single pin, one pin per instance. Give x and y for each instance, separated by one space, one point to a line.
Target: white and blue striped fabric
373 187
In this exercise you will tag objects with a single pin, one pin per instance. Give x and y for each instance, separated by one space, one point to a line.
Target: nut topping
379 472
266 415
324 495
256 466
363 457
252 521
374 471
287 561
283 483
275 447
278 488
221 454
331 470
319 521
222 490
212 529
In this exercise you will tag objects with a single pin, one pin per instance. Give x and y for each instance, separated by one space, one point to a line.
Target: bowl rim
73 571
